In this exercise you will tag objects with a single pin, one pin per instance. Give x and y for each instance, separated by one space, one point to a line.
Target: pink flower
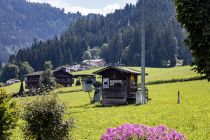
141 132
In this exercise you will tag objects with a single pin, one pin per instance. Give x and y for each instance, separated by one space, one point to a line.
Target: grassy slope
191 117
12 88
169 73
156 74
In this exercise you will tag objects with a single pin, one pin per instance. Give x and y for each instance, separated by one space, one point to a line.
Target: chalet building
95 62
32 80
75 67
119 85
62 76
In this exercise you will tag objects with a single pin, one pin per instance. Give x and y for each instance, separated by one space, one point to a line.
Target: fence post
178 102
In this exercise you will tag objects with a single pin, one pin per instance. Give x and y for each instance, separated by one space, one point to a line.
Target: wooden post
178 102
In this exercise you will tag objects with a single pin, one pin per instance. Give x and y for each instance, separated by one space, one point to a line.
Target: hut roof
38 73
83 75
125 70
35 73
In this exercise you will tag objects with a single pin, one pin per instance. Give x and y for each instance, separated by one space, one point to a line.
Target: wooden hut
62 76
119 85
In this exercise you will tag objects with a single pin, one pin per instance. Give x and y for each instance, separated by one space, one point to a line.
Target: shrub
44 119
8 117
2 84
141 132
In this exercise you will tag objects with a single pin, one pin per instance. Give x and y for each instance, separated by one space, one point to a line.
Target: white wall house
75 67
95 62
12 81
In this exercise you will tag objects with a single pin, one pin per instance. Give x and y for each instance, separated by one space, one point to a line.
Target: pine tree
118 30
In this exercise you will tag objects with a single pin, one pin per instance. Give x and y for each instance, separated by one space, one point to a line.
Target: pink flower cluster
141 132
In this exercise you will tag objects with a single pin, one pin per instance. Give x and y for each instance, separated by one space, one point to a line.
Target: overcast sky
88 6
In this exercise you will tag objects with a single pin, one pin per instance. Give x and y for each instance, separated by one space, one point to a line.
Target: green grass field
12 88
156 74
159 74
191 117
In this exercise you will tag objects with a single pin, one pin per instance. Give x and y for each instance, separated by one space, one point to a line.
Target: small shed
87 81
119 85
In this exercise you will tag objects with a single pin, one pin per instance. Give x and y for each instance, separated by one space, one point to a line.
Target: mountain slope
117 37
22 21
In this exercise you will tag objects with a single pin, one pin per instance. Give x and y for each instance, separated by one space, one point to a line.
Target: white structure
64 68
95 62
75 67
12 81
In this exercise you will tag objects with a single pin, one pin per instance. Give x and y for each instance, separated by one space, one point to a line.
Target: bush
8 117
2 84
141 132
44 119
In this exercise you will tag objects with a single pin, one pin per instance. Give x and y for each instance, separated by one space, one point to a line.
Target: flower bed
141 132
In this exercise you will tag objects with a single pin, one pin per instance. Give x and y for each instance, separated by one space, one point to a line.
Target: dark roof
83 75
62 67
63 71
125 70
38 73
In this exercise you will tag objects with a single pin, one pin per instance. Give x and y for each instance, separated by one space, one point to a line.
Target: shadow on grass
99 105
109 106
81 106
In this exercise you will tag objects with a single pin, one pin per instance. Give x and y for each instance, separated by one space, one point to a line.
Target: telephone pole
141 99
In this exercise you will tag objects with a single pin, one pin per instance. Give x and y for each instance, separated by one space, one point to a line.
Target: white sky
88 6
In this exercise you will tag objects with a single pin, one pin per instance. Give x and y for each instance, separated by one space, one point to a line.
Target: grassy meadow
159 74
191 117
12 88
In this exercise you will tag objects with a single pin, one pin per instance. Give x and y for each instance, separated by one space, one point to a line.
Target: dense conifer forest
22 21
116 38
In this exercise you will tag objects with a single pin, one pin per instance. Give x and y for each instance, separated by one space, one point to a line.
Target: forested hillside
116 38
22 21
